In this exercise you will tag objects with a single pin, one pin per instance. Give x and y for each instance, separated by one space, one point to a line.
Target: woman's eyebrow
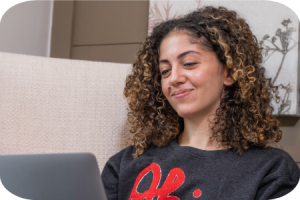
179 56
163 61
185 53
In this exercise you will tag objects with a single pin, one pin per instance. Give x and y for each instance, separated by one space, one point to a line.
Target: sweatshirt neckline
203 153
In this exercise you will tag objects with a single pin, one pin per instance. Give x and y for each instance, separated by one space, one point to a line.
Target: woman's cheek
164 88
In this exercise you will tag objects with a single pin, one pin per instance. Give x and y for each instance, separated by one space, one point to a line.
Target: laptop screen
73 176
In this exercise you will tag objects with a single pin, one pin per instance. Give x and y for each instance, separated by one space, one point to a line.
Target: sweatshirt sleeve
281 179
110 176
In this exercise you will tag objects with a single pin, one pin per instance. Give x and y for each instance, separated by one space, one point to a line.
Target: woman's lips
183 94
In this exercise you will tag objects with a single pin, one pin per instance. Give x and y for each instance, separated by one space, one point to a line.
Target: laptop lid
73 176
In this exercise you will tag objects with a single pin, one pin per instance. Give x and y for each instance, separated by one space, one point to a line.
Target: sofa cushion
51 105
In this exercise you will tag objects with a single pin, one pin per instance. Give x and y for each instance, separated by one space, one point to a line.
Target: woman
200 116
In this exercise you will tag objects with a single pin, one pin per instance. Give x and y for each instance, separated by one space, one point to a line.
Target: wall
26 28
109 31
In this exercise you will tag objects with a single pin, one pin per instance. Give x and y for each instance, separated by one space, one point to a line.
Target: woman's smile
181 94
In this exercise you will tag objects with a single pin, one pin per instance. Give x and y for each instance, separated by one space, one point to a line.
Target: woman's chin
185 114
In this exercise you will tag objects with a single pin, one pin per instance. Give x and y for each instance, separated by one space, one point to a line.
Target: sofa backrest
51 105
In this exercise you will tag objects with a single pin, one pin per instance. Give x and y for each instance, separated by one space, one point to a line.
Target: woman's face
192 78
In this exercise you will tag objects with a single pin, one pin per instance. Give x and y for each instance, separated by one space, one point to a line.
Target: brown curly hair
244 117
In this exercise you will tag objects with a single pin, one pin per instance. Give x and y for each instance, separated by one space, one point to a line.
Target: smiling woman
201 117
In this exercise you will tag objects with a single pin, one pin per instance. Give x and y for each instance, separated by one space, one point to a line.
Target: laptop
72 176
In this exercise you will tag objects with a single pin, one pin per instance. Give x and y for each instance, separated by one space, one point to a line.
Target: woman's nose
177 76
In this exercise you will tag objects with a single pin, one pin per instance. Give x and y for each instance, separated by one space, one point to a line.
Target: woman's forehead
180 44
177 42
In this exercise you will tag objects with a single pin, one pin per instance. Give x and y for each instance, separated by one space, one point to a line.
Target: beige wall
109 31
291 139
26 28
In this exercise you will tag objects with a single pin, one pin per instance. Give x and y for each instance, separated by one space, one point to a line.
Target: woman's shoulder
125 156
269 153
274 160
124 152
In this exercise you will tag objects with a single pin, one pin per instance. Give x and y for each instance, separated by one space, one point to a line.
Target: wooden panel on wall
110 22
125 53
291 140
61 36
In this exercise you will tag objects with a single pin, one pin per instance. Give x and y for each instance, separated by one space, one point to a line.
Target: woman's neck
203 143
197 134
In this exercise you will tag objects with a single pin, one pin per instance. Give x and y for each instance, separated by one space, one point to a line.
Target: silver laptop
73 176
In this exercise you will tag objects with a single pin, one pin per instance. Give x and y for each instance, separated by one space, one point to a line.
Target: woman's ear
228 80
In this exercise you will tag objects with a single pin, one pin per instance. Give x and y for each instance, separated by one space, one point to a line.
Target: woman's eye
189 64
164 72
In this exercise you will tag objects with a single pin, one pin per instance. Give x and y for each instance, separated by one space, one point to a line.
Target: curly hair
244 117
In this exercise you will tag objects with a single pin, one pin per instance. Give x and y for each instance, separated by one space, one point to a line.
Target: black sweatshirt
175 172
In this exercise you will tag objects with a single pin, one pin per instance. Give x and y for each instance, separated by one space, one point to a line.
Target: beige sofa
50 105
